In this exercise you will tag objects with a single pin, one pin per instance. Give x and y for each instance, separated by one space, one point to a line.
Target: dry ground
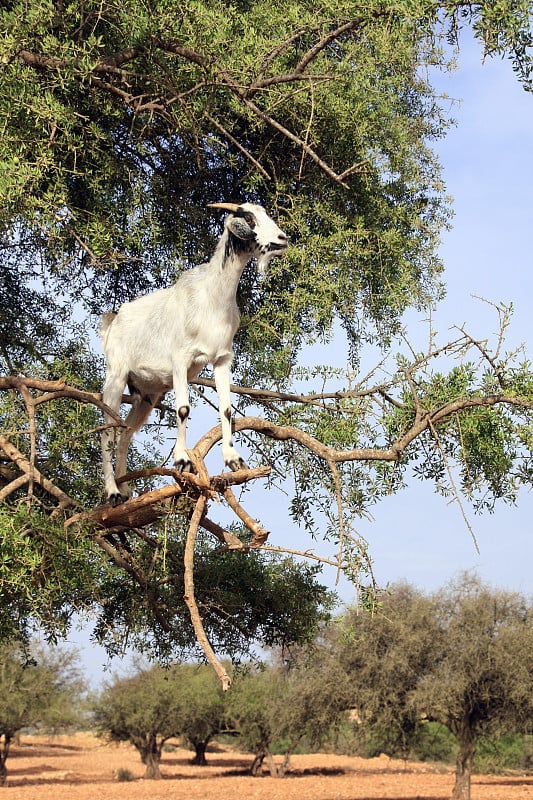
83 767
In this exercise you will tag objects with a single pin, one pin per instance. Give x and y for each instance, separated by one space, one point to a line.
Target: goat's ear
240 228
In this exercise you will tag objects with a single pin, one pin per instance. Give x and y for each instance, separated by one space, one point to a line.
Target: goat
163 340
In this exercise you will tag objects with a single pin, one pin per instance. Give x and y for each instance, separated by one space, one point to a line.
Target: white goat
165 339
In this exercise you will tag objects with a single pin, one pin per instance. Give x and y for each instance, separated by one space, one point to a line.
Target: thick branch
260 533
31 472
330 454
190 598
317 398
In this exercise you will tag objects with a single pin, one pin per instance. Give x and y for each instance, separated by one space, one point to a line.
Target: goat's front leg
112 396
231 457
182 460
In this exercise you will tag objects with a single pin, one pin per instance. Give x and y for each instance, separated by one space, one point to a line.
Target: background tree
386 654
42 688
460 657
203 707
118 126
482 681
275 708
143 709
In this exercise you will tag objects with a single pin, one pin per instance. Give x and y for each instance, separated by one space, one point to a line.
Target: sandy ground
81 766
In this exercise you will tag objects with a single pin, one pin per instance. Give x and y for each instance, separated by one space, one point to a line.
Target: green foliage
124 775
244 598
512 751
120 123
37 687
434 742
93 180
461 658
45 575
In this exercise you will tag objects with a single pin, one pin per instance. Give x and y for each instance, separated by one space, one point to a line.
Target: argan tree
462 657
278 706
142 709
120 123
36 688
203 707
386 654
482 681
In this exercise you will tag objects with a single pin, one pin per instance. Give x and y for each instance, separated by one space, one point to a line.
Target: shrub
434 742
497 755
124 775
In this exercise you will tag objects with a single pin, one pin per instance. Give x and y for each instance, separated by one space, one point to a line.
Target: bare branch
260 535
239 147
457 496
28 469
189 597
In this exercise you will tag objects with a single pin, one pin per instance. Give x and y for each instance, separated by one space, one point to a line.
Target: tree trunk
272 765
151 756
463 764
257 763
5 741
199 759
152 766
284 766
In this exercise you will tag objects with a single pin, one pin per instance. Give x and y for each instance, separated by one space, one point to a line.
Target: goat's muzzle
280 246
276 247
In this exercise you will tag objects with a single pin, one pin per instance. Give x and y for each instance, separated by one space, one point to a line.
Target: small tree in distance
41 688
141 709
279 706
157 704
482 681
203 707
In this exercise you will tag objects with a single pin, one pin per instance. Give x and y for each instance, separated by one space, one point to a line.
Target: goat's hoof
116 499
236 464
185 465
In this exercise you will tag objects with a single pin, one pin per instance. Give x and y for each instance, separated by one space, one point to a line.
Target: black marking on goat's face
236 244
247 216
277 247
252 232
241 228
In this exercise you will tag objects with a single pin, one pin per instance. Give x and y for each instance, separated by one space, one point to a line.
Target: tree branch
189 597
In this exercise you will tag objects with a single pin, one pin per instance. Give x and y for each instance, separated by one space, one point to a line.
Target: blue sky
488 169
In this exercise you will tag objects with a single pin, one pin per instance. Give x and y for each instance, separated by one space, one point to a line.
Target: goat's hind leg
141 407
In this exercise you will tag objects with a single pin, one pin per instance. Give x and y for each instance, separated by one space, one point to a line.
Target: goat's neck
227 266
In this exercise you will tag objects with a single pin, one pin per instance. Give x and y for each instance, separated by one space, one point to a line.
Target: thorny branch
189 496
113 75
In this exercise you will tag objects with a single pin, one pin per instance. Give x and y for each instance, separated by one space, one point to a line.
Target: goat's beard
263 261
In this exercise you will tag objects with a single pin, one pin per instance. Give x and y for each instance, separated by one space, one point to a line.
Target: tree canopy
460 657
120 123
38 688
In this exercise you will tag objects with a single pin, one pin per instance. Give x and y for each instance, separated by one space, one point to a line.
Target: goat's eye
249 219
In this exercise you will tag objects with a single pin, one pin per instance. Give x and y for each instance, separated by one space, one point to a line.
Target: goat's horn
227 206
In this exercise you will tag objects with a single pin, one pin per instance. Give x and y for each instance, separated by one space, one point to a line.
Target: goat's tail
105 323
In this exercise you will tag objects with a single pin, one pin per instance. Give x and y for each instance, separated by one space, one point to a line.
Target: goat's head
257 234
